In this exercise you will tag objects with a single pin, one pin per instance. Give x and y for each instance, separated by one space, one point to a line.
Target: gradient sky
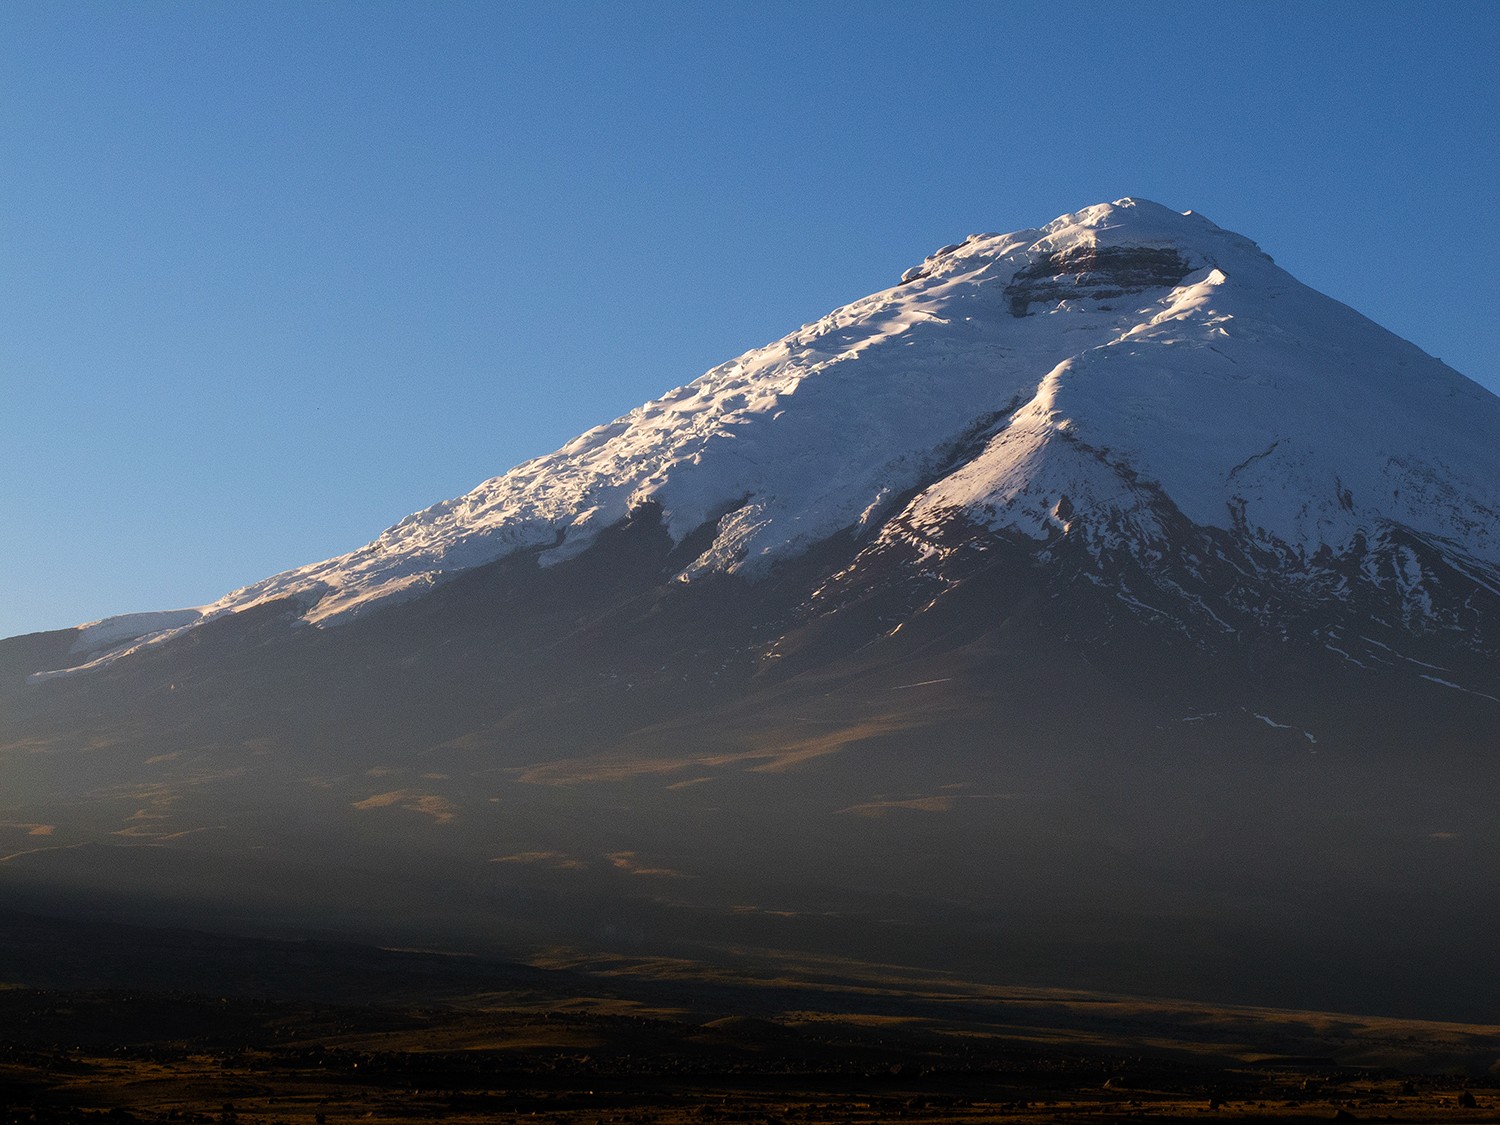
273 275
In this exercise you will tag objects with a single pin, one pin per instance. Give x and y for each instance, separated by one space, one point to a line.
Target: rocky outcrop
1094 273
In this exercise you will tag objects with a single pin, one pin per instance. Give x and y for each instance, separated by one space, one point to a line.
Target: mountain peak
1096 572
1121 344
1132 222
1063 246
1144 217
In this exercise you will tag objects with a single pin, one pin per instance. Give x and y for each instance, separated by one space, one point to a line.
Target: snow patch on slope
126 626
1273 411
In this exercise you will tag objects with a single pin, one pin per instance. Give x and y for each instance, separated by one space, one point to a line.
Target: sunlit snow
1245 397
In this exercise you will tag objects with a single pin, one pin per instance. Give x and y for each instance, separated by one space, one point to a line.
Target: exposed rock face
1096 273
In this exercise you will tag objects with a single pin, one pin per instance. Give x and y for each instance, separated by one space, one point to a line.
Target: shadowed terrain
1099 610
161 1025
588 754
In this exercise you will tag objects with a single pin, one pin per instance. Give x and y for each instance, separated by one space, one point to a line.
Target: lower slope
960 749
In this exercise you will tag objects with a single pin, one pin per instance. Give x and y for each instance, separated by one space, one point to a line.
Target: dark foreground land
111 1023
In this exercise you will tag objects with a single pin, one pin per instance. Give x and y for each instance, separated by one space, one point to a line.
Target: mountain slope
1122 346
1099 606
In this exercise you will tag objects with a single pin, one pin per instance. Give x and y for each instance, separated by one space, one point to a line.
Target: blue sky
276 274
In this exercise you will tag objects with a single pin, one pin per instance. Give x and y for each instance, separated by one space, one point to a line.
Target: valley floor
162 1026
670 1074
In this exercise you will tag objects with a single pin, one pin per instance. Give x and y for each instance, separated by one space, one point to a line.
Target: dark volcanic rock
1094 272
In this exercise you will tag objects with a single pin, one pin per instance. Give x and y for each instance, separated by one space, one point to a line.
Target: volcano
1097 606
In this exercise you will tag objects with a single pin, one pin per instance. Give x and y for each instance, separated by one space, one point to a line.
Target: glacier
1123 352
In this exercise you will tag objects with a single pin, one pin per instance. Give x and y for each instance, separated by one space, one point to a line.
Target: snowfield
1122 349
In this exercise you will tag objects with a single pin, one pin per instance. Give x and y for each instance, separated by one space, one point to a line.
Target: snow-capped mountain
1098 606
1086 380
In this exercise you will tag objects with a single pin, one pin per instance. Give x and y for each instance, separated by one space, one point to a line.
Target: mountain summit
1102 379
1099 592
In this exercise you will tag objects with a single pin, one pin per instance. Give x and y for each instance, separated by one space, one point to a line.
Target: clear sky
275 274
